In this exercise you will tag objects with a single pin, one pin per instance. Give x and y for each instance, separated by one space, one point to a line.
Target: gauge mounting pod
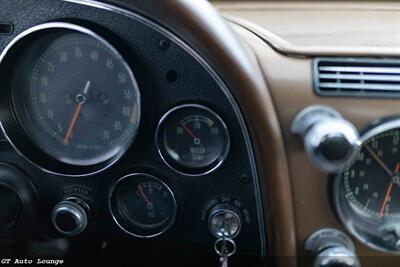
367 194
71 104
192 139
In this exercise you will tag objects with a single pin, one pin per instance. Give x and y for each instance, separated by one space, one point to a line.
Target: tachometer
73 95
142 205
368 193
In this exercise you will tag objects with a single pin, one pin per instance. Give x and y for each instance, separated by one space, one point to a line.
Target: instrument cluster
122 133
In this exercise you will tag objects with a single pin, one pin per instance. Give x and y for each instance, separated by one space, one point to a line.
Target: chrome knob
224 220
336 257
330 141
332 248
70 216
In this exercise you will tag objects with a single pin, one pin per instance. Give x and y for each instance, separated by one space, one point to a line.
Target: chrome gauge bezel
178 167
351 220
134 230
10 124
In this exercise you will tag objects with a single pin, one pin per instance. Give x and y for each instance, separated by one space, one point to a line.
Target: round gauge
372 184
142 205
192 139
368 192
73 95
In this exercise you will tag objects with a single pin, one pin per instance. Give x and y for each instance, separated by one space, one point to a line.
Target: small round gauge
73 95
193 139
142 205
368 193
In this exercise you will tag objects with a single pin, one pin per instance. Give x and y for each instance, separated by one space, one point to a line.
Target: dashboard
189 132
328 73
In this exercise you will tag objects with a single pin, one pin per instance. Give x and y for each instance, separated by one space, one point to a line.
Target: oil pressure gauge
192 139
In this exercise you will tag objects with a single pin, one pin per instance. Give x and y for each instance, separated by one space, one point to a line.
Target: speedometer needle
388 192
80 100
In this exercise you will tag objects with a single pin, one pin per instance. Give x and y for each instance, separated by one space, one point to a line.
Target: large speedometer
74 95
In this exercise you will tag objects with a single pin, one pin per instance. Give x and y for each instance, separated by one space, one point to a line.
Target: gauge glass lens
193 139
143 205
76 98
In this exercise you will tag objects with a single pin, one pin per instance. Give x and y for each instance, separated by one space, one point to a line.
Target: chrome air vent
357 77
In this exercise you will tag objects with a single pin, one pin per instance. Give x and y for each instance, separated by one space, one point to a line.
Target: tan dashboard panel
290 83
321 28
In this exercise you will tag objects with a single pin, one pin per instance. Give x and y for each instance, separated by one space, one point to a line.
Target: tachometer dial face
75 96
373 182
193 139
367 194
143 205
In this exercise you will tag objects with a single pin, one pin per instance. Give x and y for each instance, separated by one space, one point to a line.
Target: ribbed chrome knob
336 257
332 248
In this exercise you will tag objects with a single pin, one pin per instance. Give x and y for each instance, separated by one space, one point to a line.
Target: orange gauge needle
144 195
72 124
388 192
81 100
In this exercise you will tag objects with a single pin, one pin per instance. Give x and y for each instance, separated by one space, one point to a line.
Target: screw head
163 44
244 178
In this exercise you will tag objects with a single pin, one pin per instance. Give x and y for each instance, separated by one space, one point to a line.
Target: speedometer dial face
77 100
372 184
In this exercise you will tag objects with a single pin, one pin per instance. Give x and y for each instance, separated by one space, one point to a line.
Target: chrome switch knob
224 220
330 141
70 216
332 248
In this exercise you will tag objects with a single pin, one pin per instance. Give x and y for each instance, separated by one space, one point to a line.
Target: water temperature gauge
193 139
142 205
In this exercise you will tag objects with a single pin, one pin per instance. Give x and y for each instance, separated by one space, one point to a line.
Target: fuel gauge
142 205
193 139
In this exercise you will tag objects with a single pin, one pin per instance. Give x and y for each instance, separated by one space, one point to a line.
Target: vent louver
357 77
